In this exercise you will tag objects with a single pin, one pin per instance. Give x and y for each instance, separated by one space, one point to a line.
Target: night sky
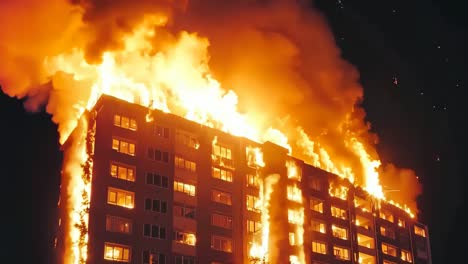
412 59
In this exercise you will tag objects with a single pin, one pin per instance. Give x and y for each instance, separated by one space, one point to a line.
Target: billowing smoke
279 57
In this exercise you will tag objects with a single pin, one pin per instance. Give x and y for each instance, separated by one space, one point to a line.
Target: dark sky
420 120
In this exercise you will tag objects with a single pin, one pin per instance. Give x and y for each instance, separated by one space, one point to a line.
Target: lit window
253 180
223 221
318 226
154 231
253 226
186 139
151 257
401 222
222 156
118 224
117 252
406 256
125 122
316 205
363 222
388 262
389 250
184 164
184 211
366 259
339 213
157 180
120 197
122 171
221 197
386 215
186 188
187 238
340 232
123 146
295 216
341 253
292 240
155 205
419 231
294 193
221 243
222 174
365 241
253 203
387 231
319 247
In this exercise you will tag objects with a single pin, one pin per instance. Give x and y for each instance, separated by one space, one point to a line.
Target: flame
339 191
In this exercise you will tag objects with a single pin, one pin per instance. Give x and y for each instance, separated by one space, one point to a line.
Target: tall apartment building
168 190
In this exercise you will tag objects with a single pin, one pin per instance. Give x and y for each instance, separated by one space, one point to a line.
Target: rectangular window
155 205
341 253
157 180
388 262
294 193
406 256
221 243
292 239
222 174
152 257
365 241
221 197
178 259
419 231
184 164
183 237
186 139
363 222
117 252
123 146
386 215
401 223
158 155
318 226
154 231
315 184
184 211
319 247
340 232
253 203
162 131
223 221
387 231
186 188
316 205
366 259
120 197
295 216
389 250
125 122
339 213
222 156
253 180
253 226
122 171
118 224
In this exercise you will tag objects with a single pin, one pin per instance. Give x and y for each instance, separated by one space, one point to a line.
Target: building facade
168 190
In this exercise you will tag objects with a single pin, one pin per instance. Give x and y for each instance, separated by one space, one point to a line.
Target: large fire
167 55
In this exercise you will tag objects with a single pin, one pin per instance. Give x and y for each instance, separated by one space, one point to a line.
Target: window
185 164
221 197
123 146
365 241
162 131
183 237
339 213
253 180
295 216
158 155
340 232
253 226
223 221
222 174
386 215
315 184
363 222
341 253
389 250
294 193
186 188
221 243
318 226
387 231
118 224
419 231
401 223
122 171
157 180
362 203
184 211
125 122
319 247
178 259
388 262
366 259
253 203
120 197
292 240
222 156
316 205
186 139
117 252
151 257
406 256
155 205
154 231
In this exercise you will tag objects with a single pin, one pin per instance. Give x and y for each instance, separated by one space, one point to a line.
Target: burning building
144 186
